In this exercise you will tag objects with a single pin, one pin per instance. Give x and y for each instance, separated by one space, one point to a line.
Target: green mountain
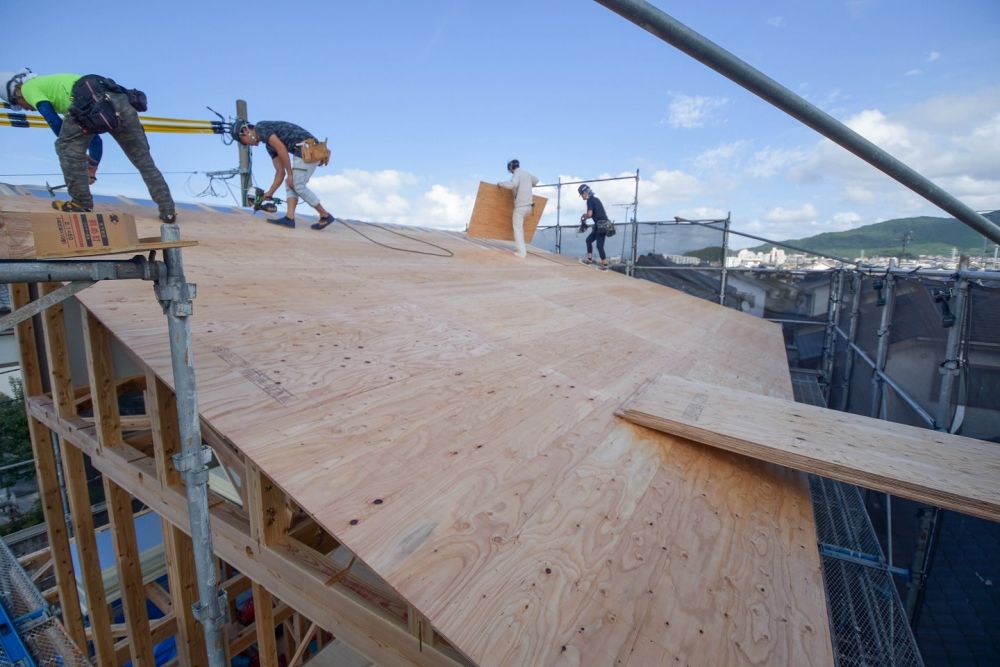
928 236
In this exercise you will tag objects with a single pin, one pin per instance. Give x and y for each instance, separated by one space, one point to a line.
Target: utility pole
246 175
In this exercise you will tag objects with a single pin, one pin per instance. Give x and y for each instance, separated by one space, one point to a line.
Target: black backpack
92 108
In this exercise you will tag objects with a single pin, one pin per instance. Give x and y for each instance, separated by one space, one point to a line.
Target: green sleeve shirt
55 89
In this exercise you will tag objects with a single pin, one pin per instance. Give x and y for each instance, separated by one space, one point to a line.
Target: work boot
71 206
283 221
169 218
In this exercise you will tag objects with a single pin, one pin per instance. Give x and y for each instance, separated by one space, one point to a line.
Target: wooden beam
161 406
159 630
381 639
927 466
263 611
60 375
101 370
266 507
303 647
245 637
179 554
75 476
49 492
133 591
74 472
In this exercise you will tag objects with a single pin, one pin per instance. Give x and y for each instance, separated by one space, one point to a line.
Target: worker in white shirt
520 183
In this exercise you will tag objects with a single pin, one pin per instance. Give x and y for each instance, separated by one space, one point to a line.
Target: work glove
92 170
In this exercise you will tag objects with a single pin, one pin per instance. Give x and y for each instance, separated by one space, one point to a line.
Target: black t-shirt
289 133
594 205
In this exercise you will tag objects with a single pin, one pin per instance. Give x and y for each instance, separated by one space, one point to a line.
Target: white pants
302 171
518 221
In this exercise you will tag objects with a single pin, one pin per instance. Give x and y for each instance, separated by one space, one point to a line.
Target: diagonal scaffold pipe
707 52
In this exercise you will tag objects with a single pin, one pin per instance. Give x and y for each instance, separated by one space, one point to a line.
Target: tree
15 443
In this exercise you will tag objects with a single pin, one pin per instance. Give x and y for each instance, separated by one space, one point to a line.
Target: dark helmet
585 190
239 126
512 165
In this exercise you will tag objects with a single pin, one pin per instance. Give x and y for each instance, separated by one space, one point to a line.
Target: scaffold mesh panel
867 620
42 634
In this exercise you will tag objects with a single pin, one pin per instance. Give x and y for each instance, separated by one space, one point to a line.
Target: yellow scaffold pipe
10 118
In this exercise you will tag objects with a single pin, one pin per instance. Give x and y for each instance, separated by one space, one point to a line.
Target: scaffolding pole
246 175
829 337
850 338
175 295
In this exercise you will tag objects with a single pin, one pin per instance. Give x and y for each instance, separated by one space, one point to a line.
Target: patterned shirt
290 134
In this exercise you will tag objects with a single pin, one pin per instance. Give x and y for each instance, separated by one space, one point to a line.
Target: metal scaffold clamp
204 614
194 465
176 297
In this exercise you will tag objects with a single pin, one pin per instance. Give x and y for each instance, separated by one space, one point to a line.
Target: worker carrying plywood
520 183
295 153
79 109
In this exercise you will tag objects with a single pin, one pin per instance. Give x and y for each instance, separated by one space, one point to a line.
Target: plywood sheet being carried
491 216
451 421
962 474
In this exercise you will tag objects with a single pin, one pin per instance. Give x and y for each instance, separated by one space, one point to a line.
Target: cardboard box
492 213
58 234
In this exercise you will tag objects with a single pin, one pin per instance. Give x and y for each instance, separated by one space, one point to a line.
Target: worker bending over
285 143
79 109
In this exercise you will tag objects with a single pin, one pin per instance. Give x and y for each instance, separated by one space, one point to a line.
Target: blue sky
422 100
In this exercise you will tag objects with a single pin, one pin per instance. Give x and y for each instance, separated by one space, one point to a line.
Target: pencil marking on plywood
255 376
695 406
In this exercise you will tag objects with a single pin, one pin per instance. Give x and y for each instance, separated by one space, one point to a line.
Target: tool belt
92 108
605 227
315 151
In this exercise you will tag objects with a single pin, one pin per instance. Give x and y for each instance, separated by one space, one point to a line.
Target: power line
103 173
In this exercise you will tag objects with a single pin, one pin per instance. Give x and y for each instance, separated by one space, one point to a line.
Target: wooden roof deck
451 421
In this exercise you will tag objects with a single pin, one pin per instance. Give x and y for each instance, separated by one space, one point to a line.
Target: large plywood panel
940 469
452 422
492 213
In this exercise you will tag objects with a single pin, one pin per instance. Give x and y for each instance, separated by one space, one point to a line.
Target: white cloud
691 111
805 213
776 21
769 161
857 194
916 71
845 220
445 209
720 156
952 140
394 196
933 55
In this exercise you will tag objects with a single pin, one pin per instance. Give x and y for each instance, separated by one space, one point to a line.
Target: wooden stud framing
161 407
103 391
256 542
301 584
184 594
263 610
74 474
48 479
119 504
266 507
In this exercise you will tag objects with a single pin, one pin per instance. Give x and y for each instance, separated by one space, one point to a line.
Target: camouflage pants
71 147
